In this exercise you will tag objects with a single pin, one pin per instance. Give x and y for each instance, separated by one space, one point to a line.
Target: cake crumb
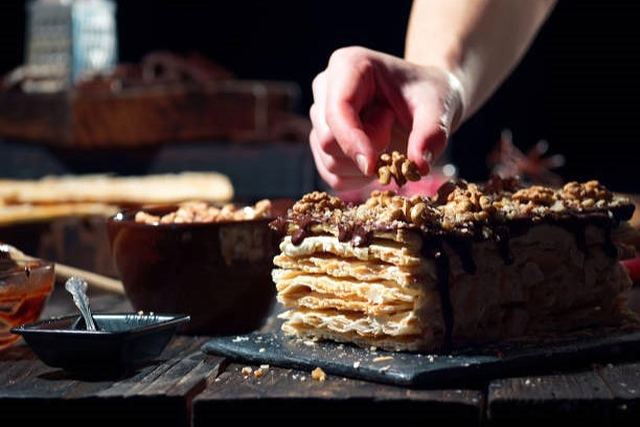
356 365
246 371
262 350
382 358
318 375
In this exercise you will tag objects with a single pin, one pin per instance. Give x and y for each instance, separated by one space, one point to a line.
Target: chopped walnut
590 190
261 371
536 194
317 202
246 371
318 375
191 212
396 166
459 206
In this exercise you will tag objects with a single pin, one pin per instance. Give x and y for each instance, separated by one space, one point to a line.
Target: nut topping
398 167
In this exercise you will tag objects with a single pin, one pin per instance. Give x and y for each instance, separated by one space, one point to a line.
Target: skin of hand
457 53
358 99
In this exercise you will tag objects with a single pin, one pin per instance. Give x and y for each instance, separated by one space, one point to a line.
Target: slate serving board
424 370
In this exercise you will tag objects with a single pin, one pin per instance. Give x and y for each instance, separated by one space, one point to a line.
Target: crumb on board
382 359
246 371
318 374
262 350
356 365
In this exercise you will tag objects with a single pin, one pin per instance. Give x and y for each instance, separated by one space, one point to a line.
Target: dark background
575 88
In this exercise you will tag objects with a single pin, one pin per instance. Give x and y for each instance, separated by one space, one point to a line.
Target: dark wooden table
187 387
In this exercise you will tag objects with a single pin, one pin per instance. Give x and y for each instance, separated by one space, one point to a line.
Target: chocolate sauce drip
464 250
361 237
433 249
303 229
345 233
298 236
503 237
578 229
610 248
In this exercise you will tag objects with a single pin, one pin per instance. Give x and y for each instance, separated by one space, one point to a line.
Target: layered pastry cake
477 263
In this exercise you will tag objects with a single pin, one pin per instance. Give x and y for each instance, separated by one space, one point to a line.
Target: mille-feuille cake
476 263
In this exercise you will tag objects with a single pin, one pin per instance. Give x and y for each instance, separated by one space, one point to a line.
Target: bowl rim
32 328
41 265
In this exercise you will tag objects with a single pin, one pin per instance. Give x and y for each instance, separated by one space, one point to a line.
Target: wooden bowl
218 273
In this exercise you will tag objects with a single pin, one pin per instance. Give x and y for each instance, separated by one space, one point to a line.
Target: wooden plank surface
624 383
188 387
288 395
160 392
531 400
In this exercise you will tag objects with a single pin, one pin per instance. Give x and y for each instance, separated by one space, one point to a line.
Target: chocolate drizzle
358 235
502 238
433 249
303 229
464 250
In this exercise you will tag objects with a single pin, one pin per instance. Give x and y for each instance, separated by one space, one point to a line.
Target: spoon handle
77 288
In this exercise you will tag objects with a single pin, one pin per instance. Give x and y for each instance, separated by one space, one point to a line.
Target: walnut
398 167
465 199
317 201
318 375
191 212
574 191
537 195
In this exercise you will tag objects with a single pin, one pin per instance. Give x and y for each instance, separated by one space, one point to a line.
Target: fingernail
361 160
428 157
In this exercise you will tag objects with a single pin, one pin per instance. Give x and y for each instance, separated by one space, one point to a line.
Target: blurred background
575 88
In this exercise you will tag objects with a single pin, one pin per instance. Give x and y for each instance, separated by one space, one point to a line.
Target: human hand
357 100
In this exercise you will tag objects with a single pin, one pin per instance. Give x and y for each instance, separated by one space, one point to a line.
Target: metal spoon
78 288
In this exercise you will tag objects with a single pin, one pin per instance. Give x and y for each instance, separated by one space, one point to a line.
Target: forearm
479 41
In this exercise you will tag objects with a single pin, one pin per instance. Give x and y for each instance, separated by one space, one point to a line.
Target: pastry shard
476 263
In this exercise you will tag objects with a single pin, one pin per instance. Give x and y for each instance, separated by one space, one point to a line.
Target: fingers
336 162
350 86
435 111
340 173
428 138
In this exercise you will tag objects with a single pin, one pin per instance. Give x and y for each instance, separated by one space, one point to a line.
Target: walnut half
396 166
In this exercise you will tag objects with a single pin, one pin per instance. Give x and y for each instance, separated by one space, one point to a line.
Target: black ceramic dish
123 341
